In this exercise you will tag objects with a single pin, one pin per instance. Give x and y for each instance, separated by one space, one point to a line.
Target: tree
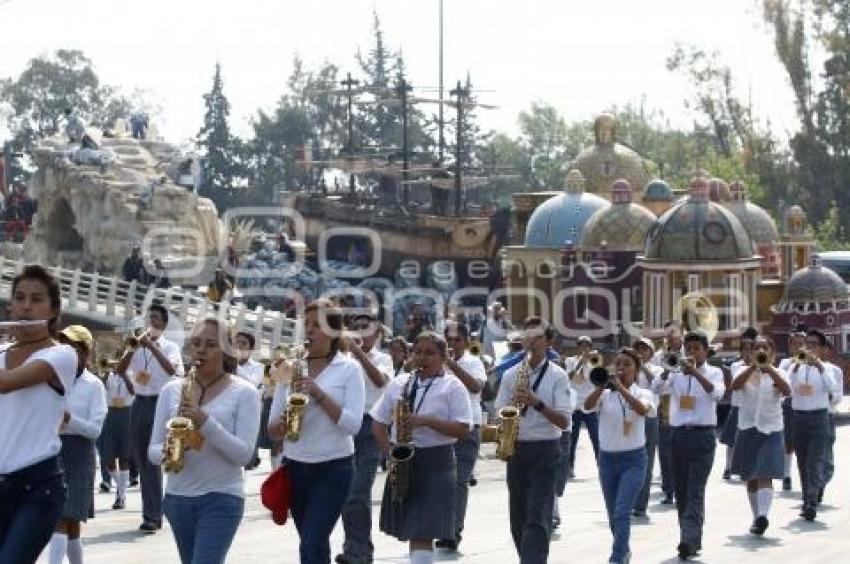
221 150
544 135
48 85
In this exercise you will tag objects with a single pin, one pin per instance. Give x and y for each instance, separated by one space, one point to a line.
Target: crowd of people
355 397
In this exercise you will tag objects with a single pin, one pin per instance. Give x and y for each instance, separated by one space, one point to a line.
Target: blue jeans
319 491
466 453
621 477
203 526
357 512
31 502
591 421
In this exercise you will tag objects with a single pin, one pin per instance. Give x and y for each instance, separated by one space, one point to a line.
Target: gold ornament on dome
607 160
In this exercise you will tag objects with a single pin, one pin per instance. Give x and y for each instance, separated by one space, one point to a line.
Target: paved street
584 536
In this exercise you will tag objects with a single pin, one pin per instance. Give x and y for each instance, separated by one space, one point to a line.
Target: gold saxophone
509 416
401 453
179 428
296 403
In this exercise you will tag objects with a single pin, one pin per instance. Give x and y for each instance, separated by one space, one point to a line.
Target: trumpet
475 348
601 378
134 339
801 356
595 359
762 359
178 430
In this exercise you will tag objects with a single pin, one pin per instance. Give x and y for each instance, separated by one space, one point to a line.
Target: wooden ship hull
399 239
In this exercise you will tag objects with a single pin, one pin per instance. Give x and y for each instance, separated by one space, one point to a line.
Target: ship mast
442 142
403 88
461 93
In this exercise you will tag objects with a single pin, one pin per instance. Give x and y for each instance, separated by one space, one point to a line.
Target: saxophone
296 403
509 416
179 428
401 453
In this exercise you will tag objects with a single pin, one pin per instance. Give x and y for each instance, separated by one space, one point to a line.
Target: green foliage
222 152
830 234
48 85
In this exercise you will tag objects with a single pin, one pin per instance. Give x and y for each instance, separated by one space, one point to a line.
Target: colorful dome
622 226
657 190
718 190
696 229
758 223
815 284
563 217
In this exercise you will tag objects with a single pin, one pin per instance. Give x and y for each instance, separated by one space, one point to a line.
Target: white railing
110 300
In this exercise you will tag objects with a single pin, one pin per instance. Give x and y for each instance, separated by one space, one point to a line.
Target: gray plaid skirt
758 455
77 456
730 428
428 510
115 437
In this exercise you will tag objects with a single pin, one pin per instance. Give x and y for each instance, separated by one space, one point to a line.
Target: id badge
627 428
118 402
687 403
143 378
805 390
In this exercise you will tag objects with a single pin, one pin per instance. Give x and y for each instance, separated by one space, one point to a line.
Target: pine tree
377 121
219 148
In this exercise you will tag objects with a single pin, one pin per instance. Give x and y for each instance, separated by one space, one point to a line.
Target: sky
582 56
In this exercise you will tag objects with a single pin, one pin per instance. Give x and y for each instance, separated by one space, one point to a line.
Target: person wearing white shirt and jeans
321 461
204 502
469 369
151 365
376 369
812 388
36 376
796 342
623 407
759 450
532 470
85 410
440 415
694 393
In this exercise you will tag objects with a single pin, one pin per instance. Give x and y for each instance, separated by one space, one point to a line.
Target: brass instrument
296 402
475 348
179 428
134 339
510 416
801 356
595 359
105 365
601 378
671 361
762 359
402 451
697 313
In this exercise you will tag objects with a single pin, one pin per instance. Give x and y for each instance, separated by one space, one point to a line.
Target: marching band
332 408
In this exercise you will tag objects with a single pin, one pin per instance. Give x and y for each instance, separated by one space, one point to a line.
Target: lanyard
622 405
537 382
413 390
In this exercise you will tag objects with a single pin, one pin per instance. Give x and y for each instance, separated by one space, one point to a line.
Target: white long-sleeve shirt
554 390
230 432
321 438
475 368
580 385
680 386
811 389
117 392
384 363
251 371
760 402
144 361
86 403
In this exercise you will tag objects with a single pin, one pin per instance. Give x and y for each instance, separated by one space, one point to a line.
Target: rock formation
91 215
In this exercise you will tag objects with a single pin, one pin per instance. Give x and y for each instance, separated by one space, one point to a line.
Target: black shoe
727 474
149 527
119 503
473 481
448 544
134 482
809 513
668 500
786 485
820 495
685 551
342 559
639 513
104 487
759 525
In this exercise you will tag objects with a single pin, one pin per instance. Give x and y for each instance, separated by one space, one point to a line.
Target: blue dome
657 191
562 218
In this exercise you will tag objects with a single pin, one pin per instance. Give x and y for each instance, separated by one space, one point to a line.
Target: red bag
276 494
